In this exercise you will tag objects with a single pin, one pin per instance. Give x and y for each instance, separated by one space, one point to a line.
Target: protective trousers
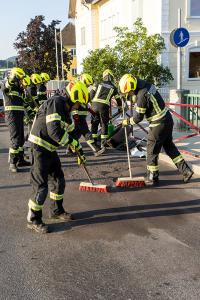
46 170
102 117
82 129
158 137
15 121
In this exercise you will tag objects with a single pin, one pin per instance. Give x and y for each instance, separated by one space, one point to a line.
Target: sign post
179 56
179 38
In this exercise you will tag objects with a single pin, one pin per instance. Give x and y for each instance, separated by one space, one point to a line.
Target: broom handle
87 173
85 169
126 137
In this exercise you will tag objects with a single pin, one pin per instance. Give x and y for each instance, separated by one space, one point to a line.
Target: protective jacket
104 93
42 93
14 108
149 104
31 92
52 125
13 96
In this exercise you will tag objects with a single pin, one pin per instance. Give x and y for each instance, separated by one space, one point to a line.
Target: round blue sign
180 37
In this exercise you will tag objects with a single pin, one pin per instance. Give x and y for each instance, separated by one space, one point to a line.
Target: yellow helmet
108 74
17 73
45 77
26 81
127 83
36 78
78 92
86 79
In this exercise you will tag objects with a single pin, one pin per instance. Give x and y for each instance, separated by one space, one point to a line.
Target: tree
135 52
99 60
36 48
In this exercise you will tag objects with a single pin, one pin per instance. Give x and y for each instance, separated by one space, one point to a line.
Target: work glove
125 122
81 159
75 145
76 119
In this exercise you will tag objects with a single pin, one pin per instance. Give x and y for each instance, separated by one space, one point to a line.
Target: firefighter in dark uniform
150 104
52 127
80 116
42 89
32 90
101 105
14 109
29 104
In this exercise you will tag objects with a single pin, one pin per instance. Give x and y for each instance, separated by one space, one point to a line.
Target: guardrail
192 112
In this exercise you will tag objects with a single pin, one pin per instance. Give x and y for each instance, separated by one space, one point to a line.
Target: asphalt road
133 244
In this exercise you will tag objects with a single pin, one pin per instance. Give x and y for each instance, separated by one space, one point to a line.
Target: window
74 72
83 36
194 8
194 64
73 52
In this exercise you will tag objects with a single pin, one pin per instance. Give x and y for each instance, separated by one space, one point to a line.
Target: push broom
90 186
129 181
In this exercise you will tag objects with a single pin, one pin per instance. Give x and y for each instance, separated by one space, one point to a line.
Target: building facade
95 20
69 43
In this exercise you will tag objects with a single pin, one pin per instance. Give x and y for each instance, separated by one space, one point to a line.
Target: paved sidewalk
191 145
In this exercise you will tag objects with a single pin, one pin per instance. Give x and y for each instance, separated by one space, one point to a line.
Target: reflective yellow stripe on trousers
56 197
34 206
152 168
178 159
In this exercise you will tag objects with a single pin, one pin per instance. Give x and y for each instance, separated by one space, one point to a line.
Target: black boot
23 163
185 170
96 149
13 168
65 216
38 226
57 211
187 175
152 179
35 223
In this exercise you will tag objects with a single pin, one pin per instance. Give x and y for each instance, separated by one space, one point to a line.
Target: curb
195 166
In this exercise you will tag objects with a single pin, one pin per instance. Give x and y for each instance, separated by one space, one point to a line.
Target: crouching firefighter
149 103
52 127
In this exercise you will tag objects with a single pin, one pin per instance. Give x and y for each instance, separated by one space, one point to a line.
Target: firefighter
14 109
89 82
31 91
101 106
80 116
29 104
42 89
52 128
149 103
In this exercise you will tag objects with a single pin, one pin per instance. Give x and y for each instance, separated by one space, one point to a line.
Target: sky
16 14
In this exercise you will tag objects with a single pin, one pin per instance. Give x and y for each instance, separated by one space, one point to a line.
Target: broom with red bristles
129 181
90 186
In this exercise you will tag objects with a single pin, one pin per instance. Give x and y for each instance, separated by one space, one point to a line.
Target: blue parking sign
180 37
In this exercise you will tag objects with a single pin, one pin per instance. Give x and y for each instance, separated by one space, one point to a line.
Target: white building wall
83 20
151 17
116 13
